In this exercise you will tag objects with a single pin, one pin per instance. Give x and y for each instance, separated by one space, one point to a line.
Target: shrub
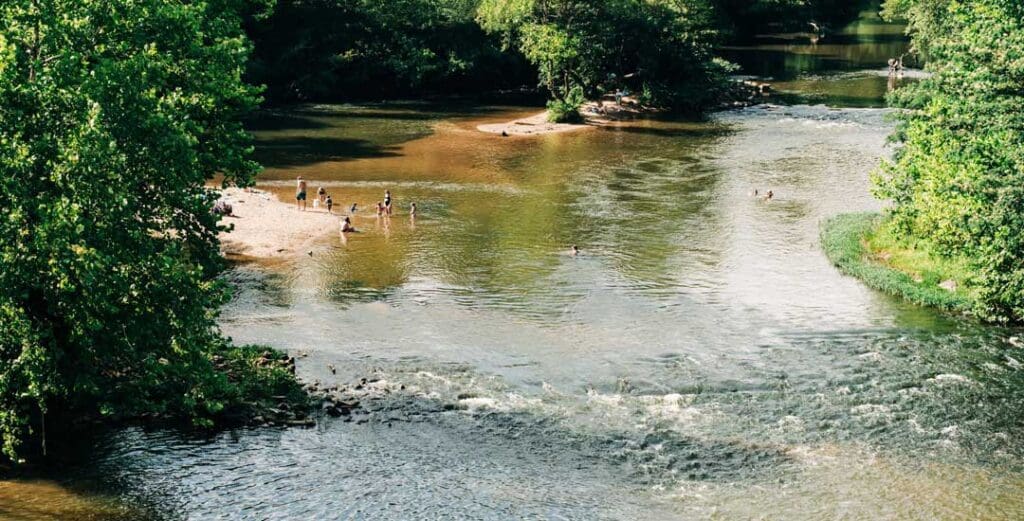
567 110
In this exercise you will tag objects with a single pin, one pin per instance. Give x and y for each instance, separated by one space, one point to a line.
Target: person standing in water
387 201
380 209
412 210
300 193
330 203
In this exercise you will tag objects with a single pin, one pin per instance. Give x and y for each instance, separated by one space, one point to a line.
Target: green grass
862 246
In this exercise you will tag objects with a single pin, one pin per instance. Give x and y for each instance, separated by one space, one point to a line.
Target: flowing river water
700 359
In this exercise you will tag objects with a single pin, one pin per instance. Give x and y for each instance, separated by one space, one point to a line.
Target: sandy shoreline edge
594 115
266 227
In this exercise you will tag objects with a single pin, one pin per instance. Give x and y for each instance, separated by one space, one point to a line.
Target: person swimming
574 251
346 225
769 195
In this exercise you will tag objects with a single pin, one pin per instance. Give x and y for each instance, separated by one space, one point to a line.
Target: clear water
699 360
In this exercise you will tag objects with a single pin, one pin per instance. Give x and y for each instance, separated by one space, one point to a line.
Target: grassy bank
860 245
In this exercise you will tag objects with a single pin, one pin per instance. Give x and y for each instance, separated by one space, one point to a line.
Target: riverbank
594 115
853 244
267 227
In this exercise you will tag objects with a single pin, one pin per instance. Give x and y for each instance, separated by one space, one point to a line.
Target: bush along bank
858 245
250 385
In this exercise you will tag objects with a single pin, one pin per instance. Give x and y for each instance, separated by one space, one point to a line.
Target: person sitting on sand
300 193
346 225
330 203
387 201
222 207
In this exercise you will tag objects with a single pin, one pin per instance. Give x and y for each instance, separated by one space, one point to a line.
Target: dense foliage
329 50
345 49
660 48
957 180
113 116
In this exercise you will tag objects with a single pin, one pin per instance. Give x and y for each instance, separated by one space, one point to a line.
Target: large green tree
957 180
664 47
114 114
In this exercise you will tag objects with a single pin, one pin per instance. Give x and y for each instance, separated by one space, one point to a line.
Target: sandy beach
593 116
267 227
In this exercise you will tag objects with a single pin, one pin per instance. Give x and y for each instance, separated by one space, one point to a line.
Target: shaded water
699 360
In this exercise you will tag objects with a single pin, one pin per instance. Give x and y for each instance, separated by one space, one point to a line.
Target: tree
114 114
957 180
664 46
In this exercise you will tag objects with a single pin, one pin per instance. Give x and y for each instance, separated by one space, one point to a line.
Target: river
700 359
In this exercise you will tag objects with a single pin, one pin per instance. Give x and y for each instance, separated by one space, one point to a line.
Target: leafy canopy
113 116
957 181
661 47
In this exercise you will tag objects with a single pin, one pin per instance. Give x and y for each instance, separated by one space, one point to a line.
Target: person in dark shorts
387 201
330 203
300 194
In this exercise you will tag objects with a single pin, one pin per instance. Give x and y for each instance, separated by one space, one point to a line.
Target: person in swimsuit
300 194
330 203
412 210
321 194
346 225
387 201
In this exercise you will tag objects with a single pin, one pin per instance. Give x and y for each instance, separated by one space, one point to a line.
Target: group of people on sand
384 208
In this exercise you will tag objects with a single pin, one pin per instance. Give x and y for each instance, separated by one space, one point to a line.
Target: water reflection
847 68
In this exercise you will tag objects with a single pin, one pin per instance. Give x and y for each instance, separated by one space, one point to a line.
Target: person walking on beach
387 201
330 203
300 194
321 194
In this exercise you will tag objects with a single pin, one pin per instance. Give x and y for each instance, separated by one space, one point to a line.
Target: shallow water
699 360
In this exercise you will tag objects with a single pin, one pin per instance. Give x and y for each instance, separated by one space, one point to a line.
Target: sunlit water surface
700 359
